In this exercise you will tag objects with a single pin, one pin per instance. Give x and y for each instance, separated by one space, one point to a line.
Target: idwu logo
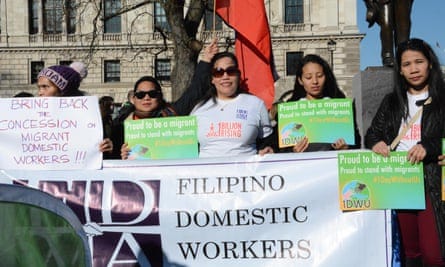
356 195
292 133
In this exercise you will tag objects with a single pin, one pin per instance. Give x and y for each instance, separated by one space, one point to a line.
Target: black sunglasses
219 72
142 94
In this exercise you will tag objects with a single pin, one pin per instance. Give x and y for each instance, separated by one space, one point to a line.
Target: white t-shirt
413 135
231 127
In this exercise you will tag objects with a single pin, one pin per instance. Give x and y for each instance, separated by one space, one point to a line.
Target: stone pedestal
369 88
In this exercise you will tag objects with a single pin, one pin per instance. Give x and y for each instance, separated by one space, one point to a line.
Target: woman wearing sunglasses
230 121
148 101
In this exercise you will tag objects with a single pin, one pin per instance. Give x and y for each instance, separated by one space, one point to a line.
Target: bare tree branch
179 44
128 8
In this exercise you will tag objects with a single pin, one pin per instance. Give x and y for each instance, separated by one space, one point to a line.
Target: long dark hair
211 93
436 85
330 88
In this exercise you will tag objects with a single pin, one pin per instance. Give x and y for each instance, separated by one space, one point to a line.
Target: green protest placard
443 171
321 121
370 181
162 138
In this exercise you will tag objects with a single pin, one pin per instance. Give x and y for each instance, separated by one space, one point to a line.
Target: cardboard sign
370 181
50 133
321 121
162 138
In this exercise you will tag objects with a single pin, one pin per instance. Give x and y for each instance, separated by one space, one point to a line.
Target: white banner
50 133
277 210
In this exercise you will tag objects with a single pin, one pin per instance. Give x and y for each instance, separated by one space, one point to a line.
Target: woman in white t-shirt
230 121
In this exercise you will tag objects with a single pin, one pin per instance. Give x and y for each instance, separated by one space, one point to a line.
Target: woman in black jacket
148 101
418 83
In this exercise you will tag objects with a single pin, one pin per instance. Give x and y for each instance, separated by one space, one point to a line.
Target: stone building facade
40 33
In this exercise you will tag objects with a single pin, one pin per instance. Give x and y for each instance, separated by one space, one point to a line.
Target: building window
112 71
33 14
293 11
65 62
52 16
208 18
292 59
161 22
36 67
71 21
112 23
163 69
55 12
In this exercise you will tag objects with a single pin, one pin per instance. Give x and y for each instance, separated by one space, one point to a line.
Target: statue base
369 88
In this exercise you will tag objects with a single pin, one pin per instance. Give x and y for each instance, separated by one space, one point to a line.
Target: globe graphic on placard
293 131
139 151
355 190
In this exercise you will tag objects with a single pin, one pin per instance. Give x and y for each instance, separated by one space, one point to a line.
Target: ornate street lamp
331 48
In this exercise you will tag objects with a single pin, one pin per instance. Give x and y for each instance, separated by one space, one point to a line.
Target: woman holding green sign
315 80
230 121
148 101
411 119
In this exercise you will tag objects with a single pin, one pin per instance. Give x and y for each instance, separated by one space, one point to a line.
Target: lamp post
331 48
